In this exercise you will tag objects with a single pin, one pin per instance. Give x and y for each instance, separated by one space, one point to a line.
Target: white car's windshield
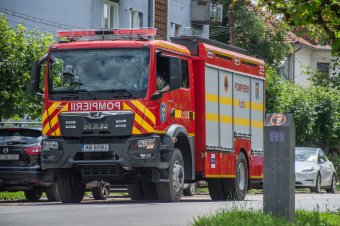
305 155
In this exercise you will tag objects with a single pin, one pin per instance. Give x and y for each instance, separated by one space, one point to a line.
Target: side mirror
156 95
35 75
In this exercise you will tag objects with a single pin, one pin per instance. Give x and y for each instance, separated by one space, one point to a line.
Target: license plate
9 157
95 147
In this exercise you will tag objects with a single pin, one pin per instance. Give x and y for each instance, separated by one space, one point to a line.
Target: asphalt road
122 211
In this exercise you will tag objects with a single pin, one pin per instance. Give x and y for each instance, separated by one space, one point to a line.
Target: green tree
259 34
316 110
18 49
321 18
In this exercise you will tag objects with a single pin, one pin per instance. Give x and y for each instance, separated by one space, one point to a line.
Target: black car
20 167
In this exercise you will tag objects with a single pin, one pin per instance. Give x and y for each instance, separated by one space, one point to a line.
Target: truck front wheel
172 190
70 187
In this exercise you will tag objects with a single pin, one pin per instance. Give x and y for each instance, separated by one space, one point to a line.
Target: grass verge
11 196
238 217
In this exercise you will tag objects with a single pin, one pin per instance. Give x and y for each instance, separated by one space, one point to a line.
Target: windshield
19 136
305 155
99 73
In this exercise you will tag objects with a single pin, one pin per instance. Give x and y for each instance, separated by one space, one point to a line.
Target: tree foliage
320 18
261 36
316 110
18 49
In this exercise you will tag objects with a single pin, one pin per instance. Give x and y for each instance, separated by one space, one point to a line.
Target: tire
317 188
236 189
135 191
150 191
32 195
216 191
332 188
102 192
70 187
172 191
190 190
52 193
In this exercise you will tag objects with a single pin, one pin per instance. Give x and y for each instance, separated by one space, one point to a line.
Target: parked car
20 168
313 170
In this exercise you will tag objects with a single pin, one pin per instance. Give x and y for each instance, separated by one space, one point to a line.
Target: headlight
308 169
147 143
50 145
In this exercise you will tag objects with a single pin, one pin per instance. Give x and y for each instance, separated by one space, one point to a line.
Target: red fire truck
123 107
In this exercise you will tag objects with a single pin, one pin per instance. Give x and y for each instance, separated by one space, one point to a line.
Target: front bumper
71 155
305 179
12 177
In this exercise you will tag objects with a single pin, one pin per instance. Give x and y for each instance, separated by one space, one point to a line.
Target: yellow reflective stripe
178 113
135 130
191 134
211 117
220 176
57 132
226 100
246 103
145 110
160 131
172 47
256 177
44 117
257 106
211 97
126 107
257 124
226 119
46 128
242 121
139 120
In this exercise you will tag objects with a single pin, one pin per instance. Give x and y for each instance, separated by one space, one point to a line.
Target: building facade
306 56
170 17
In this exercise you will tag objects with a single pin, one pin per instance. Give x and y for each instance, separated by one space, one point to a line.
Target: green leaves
18 49
320 18
254 32
316 110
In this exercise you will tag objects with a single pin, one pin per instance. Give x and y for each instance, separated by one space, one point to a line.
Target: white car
313 170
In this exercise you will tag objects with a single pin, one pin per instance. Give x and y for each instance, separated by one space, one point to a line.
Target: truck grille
101 171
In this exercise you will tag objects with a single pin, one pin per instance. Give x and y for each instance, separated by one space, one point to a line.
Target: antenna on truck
92 34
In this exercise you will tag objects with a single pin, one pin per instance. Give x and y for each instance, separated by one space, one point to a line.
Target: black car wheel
52 193
332 188
317 188
32 195
102 192
70 187
190 190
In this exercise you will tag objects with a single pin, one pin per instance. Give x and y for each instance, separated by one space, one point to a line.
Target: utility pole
231 23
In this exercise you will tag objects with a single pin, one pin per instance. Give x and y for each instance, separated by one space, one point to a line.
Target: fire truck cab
122 107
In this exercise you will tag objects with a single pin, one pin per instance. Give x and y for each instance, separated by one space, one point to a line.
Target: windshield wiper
121 93
70 97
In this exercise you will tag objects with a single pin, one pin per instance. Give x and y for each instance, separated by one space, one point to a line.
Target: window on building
176 30
323 68
110 14
136 19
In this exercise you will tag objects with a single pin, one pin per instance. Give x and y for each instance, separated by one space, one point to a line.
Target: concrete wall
179 13
302 61
50 16
125 8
